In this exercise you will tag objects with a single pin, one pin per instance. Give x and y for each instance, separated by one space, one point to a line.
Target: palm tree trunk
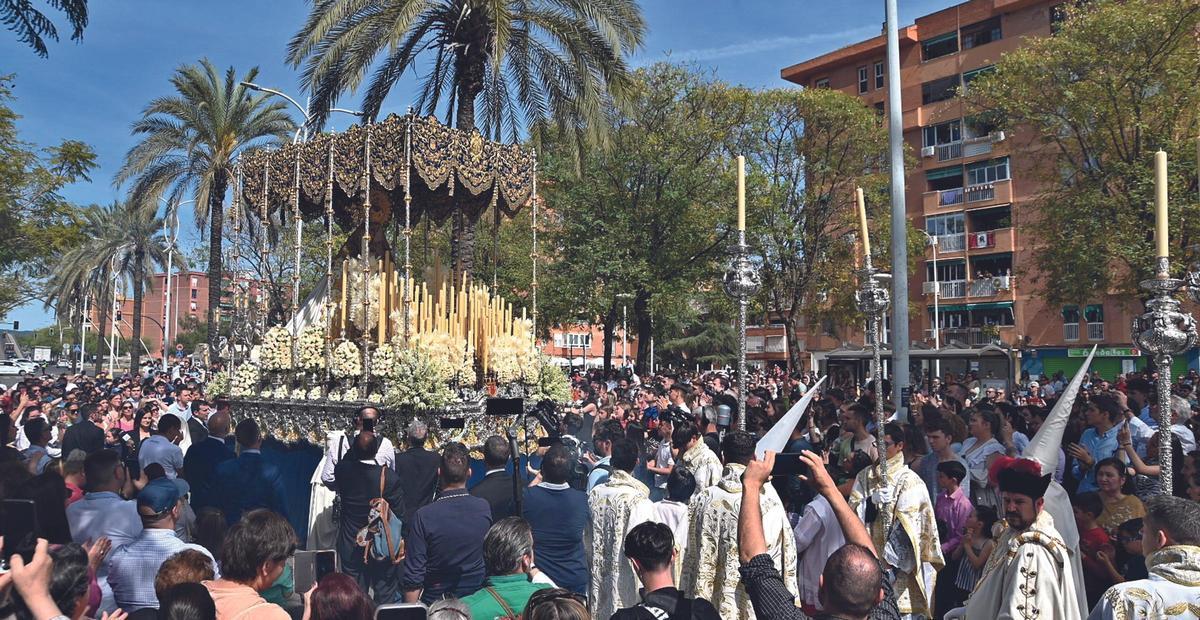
135 349
216 223
469 86
101 342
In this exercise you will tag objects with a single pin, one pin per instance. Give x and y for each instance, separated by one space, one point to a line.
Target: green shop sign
1106 352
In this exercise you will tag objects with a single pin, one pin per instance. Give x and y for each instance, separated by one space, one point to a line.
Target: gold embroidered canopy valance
450 170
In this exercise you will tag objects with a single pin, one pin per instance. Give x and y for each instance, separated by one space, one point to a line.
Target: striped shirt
132 568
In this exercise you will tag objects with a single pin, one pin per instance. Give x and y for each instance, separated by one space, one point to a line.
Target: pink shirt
953 509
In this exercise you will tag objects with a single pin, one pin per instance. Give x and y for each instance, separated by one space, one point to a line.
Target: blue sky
94 90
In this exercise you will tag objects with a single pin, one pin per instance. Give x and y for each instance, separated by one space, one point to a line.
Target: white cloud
771 44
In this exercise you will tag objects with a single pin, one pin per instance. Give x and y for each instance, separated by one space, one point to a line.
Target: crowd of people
137 496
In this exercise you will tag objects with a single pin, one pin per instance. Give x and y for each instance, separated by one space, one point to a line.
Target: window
939 90
981 33
942 225
879 112
944 178
862 80
195 294
947 271
944 133
988 171
939 46
970 76
582 341
821 83
981 125
1094 313
193 306
1070 315
879 74
195 282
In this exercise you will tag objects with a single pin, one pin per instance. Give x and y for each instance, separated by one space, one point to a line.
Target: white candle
741 191
862 220
1160 204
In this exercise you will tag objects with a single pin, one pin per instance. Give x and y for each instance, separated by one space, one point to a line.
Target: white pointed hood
776 438
1044 446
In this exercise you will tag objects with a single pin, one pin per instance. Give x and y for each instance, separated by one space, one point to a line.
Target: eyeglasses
1129 537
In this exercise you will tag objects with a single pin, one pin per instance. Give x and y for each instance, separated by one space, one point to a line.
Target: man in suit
82 434
359 478
497 484
202 459
417 468
249 482
196 423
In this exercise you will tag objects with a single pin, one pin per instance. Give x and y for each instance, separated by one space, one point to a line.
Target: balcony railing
1095 331
972 147
970 336
978 193
949 197
1070 331
987 287
946 152
953 288
952 243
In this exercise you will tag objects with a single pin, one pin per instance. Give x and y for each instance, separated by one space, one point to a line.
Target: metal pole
83 332
112 335
900 339
937 321
624 330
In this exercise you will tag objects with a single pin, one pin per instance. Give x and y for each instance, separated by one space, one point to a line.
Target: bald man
202 459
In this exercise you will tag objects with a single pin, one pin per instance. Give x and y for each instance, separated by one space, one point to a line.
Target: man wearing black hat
1029 574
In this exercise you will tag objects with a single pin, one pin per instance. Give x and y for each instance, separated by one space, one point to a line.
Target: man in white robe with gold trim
911 546
1029 575
616 506
710 563
1171 542
695 455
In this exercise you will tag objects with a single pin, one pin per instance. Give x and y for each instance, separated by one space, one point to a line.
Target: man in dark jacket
82 434
248 482
497 484
650 547
359 479
558 515
417 468
201 461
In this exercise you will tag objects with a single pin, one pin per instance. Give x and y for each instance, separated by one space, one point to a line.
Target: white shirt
339 444
184 413
159 449
1186 437
104 514
818 535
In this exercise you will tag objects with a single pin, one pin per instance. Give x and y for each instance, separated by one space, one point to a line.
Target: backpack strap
658 612
382 473
500 599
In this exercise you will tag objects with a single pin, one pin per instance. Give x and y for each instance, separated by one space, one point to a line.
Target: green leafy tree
33 27
650 216
1092 103
36 222
189 143
496 65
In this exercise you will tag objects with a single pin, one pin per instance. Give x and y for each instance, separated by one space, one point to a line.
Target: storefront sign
1106 352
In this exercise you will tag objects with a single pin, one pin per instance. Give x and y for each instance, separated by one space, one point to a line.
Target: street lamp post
937 323
172 238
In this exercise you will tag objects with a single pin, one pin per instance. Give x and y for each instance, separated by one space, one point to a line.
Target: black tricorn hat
1022 476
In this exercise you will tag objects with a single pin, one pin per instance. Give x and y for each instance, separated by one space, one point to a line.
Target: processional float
430 345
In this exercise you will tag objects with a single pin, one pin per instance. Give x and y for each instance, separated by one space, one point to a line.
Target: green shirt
514 589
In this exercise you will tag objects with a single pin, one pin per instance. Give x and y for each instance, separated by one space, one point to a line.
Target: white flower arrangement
383 361
347 361
315 393
244 381
421 382
350 394
277 393
354 299
298 394
276 352
311 348
456 354
513 358
218 385
551 383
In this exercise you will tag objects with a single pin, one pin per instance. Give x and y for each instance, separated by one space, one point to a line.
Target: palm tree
134 242
523 61
33 27
189 143
82 273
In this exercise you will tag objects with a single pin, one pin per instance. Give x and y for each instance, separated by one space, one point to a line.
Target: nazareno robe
710 565
616 506
1027 577
912 545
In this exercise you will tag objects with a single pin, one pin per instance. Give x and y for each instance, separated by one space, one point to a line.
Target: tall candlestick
1160 204
741 191
345 287
862 220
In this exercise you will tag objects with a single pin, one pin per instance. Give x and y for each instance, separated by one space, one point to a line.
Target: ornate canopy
454 170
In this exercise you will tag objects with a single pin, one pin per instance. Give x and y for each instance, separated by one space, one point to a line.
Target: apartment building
972 189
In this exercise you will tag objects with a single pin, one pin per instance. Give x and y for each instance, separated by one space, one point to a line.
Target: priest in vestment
1028 576
695 455
1171 542
710 563
910 546
616 506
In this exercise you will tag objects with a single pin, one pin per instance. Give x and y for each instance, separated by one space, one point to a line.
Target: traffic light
16 326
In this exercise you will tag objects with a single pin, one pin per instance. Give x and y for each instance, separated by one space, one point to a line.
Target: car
28 364
9 367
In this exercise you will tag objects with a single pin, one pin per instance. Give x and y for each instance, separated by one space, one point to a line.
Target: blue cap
161 494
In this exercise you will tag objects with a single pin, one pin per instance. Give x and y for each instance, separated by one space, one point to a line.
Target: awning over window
944 173
1094 313
997 305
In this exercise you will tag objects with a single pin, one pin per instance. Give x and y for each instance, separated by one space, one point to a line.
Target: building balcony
952 243
990 287
974 147
947 289
971 336
932 201
988 194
